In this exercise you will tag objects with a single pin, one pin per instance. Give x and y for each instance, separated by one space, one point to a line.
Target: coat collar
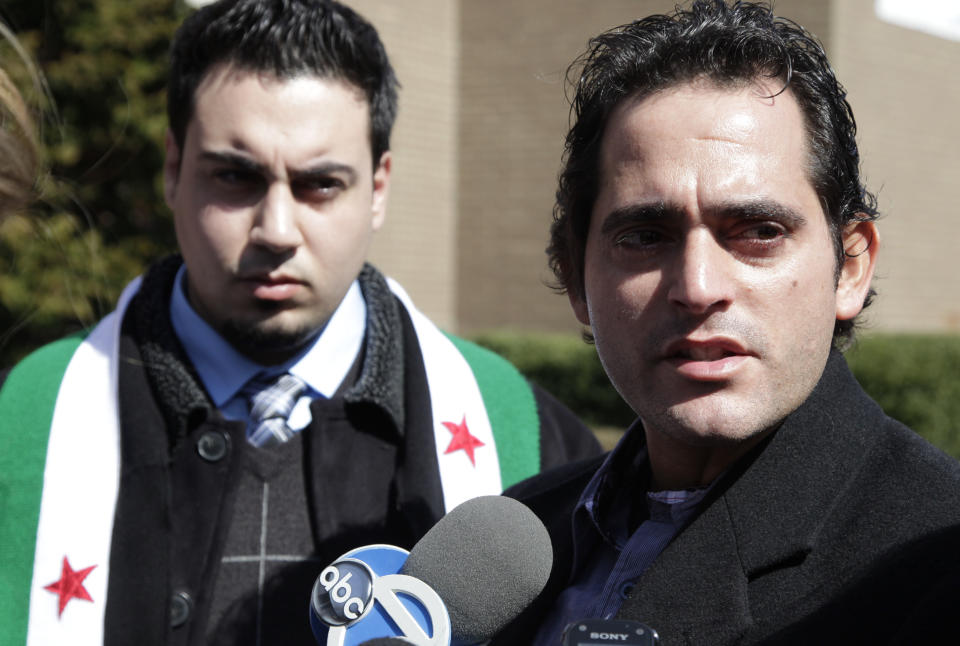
381 380
185 403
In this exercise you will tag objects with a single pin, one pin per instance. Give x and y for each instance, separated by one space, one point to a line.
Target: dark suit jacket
842 527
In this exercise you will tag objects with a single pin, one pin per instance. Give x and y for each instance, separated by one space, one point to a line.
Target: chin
722 425
272 338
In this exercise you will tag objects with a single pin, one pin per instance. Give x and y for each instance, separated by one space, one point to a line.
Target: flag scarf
60 470
473 386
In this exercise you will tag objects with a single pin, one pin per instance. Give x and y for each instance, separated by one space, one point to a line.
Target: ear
381 189
171 169
579 305
861 243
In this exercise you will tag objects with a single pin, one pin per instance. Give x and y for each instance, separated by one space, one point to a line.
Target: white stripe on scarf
454 396
80 482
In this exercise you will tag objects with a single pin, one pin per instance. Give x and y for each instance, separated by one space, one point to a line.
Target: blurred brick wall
903 86
418 244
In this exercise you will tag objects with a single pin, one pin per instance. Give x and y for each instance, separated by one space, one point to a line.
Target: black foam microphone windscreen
487 559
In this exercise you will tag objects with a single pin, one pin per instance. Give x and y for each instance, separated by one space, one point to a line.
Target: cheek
224 234
807 312
336 247
211 244
620 307
333 236
204 246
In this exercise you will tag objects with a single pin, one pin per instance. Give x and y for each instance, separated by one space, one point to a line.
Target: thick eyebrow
638 213
233 159
324 170
317 171
759 209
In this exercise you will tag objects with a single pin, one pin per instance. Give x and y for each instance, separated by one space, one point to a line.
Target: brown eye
234 177
763 232
639 238
318 188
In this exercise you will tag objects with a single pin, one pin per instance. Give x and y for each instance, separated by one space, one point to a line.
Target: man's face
709 278
275 201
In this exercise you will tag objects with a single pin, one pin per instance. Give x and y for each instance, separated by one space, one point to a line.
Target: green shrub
915 378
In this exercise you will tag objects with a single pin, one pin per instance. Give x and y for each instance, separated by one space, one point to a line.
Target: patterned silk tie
271 400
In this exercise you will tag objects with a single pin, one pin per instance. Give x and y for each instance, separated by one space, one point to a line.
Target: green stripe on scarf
511 408
26 409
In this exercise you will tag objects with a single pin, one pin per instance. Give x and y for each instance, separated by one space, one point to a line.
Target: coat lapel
763 517
695 591
782 499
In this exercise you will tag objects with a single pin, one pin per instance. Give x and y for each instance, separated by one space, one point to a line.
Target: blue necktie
271 400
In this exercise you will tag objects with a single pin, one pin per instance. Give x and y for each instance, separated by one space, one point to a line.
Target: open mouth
704 353
712 349
714 359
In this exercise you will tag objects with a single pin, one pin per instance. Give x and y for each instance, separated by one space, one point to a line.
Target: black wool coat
842 527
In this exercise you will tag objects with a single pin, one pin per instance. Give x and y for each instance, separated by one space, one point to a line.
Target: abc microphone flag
362 596
468 577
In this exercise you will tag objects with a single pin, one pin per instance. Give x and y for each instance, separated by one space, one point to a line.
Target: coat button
181 605
213 446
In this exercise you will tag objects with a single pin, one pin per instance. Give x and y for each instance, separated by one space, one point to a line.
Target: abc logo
343 592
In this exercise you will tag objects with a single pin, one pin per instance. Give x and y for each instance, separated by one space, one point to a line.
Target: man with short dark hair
268 401
712 231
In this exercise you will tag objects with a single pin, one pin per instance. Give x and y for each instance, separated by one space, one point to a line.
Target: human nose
276 224
700 280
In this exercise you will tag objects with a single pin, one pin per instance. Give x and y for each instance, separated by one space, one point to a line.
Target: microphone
487 559
462 583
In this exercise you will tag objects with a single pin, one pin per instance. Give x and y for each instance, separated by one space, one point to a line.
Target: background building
483 112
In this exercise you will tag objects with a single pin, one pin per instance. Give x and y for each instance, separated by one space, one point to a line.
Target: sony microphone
606 632
468 577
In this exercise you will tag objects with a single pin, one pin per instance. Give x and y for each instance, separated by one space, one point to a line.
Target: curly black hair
729 45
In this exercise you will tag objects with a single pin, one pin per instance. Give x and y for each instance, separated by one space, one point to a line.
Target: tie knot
271 400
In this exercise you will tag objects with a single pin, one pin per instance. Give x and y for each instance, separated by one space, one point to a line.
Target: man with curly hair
712 232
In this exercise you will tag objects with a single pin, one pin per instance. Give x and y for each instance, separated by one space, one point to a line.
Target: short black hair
286 38
729 45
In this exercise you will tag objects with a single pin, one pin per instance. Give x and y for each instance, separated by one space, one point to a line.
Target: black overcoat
842 527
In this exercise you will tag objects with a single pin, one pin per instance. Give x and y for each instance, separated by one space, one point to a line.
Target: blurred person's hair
19 147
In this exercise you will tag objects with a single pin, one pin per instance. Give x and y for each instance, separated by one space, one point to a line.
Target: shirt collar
621 482
224 371
622 472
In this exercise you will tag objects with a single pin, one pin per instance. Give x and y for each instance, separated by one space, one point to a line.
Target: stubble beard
707 415
268 343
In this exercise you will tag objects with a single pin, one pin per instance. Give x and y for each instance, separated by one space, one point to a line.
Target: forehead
708 139
231 102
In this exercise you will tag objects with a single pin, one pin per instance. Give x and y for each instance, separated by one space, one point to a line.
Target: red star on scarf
70 585
462 439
